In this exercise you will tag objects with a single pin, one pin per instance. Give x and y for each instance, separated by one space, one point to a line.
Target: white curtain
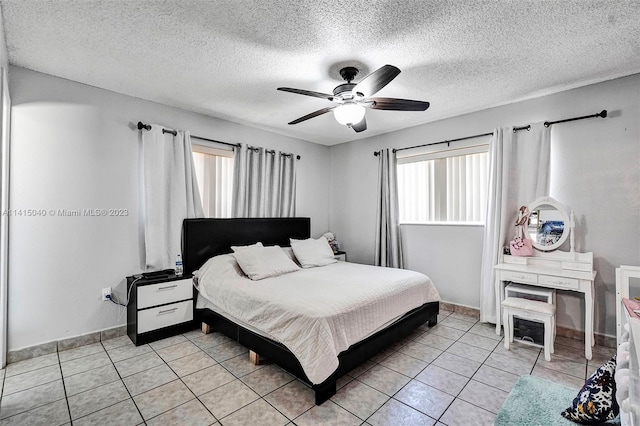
388 249
170 194
264 183
518 174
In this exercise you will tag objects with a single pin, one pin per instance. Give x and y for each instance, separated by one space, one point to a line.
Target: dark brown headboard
205 238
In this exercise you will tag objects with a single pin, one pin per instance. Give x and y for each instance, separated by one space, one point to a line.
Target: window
214 171
445 186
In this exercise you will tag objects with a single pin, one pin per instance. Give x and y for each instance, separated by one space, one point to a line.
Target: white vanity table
549 228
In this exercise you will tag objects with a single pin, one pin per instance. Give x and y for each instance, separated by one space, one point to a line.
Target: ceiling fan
351 99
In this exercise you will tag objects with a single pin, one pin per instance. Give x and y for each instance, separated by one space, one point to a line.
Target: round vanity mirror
549 224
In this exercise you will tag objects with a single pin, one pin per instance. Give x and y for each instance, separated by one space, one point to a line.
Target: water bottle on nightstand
179 265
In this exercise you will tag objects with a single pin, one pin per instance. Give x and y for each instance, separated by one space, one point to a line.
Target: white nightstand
159 308
341 256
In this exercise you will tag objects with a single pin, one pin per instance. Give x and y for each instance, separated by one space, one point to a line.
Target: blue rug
536 402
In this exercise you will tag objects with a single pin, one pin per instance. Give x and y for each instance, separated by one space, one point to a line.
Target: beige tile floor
456 373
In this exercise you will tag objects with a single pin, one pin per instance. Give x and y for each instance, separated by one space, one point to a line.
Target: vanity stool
532 310
541 294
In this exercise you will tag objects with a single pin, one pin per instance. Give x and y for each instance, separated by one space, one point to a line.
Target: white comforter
318 312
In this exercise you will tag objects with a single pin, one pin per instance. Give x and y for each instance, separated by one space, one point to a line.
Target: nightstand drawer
519 277
165 292
164 316
559 282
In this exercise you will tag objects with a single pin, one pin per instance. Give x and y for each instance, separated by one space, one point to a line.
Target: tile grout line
123 384
387 400
226 369
32 387
392 396
195 397
270 404
220 364
410 378
259 396
262 397
401 402
121 380
468 380
180 378
64 388
4 376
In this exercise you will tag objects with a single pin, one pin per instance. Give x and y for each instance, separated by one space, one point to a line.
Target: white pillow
240 248
312 252
264 262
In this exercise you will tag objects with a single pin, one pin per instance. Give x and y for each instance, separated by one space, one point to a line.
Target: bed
202 239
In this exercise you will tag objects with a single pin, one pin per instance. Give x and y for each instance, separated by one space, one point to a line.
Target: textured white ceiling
226 58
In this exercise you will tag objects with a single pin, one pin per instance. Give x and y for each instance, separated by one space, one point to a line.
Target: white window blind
214 171
446 186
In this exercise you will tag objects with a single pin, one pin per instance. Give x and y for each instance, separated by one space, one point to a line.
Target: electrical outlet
106 292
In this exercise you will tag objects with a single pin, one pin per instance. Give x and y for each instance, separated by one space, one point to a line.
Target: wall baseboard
601 339
65 344
461 309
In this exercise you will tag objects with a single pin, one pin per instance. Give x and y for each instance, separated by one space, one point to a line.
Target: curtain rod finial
141 126
376 153
603 113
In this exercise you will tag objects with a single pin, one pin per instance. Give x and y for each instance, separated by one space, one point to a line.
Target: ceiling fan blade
361 126
307 93
313 114
393 104
376 80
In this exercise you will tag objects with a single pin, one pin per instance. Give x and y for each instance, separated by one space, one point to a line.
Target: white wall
74 147
452 260
595 171
4 55
4 199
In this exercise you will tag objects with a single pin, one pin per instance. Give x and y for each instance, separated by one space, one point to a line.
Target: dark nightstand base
161 333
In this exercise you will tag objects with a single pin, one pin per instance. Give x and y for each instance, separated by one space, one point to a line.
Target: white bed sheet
318 312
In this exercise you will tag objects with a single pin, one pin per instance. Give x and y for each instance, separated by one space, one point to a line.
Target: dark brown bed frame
205 238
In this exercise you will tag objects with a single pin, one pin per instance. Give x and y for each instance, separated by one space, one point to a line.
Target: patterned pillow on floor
596 401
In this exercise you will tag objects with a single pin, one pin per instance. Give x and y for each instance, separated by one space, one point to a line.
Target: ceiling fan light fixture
349 114
350 99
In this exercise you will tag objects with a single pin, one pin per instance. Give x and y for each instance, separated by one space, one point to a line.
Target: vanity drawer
164 316
558 282
519 277
162 293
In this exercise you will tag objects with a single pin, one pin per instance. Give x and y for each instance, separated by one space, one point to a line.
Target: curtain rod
142 126
602 114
